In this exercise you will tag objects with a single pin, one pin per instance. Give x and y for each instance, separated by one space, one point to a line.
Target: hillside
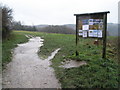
112 29
41 26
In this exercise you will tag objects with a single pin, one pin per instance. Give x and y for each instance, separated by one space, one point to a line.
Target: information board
90 27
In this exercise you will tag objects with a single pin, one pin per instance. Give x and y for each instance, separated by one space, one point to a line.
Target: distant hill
41 26
57 29
73 26
112 28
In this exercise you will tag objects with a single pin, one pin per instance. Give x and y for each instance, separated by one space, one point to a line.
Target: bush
6 21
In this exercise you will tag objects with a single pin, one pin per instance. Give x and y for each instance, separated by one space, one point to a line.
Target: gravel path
27 70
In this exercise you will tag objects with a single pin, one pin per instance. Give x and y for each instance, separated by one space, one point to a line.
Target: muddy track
27 70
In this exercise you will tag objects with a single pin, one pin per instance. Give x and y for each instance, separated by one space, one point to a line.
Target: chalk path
27 70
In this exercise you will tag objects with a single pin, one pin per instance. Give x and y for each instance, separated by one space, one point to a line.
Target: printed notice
90 21
91 34
95 32
84 33
90 27
99 33
85 27
80 33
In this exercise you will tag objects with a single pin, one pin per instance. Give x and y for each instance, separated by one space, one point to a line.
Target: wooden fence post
77 36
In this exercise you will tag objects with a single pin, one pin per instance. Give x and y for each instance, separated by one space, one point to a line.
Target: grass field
98 73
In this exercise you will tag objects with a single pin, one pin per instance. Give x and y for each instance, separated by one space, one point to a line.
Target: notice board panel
93 24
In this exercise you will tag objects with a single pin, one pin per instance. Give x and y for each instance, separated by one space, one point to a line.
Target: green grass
98 73
0 56
9 44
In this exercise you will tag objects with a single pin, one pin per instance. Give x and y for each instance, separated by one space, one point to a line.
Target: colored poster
95 33
90 21
93 27
85 21
90 33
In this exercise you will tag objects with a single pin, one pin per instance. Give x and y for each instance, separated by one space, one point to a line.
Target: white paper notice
85 27
99 33
91 23
84 33
80 32
95 33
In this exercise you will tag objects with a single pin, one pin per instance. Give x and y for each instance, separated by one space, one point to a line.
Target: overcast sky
58 12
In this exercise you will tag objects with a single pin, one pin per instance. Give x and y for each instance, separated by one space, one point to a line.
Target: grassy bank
98 73
9 44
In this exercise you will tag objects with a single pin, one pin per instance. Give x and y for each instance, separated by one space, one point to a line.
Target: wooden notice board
92 25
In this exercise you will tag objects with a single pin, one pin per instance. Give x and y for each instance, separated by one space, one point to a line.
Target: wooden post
104 35
77 36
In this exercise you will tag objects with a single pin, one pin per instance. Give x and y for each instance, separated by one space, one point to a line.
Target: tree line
17 25
57 29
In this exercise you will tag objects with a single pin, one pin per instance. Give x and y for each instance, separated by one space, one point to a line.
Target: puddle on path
73 63
27 70
53 54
